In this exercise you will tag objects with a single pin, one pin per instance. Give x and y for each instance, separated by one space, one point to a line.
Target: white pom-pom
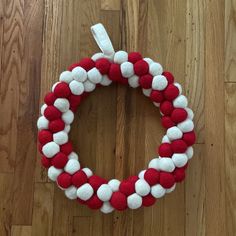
42 123
94 76
190 113
66 76
155 69
68 117
156 104
60 137
87 171
67 129
179 87
179 159
54 85
141 174
72 166
120 57
97 56
85 192
186 125
62 104
106 208
133 81
147 92
79 74
180 102
148 60
73 156
157 191
71 192
134 201
104 192
159 82
166 164
114 184
171 189
53 173
89 86
189 152
105 80
142 187
50 149
76 88
165 139
127 69
154 163
174 133
43 107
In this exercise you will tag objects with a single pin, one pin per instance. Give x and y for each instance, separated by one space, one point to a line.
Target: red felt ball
56 125
66 148
189 138
115 74
52 113
167 180
50 98
59 160
145 81
156 96
96 181
179 174
133 178
133 57
165 150
81 201
119 201
170 78
94 202
74 100
127 187
103 65
166 108
64 180
171 92
45 136
178 146
72 66
62 90
79 178
46 162
141 67
178 115
87 63
148 200
167 122
151 176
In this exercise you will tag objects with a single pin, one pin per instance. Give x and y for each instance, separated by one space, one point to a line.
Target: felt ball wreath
57 115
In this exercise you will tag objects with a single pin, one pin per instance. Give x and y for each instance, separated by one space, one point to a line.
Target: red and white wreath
57 114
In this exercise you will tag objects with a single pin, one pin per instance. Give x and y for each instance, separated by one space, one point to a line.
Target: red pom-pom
74 101
167 122
166 108
96 181
118 201
179 174
133 57
115 73
87 64
66 148
59 160
148 200
94 202
141 68
79 178
151 176
167 180
71 67
127 187
62 90
171 92
56 125
145 81
64 180
45 136
178 115
81 201
46 162
103 65
50 98
133 178
189 138
156 96
170 78
165 150
52 113
178 146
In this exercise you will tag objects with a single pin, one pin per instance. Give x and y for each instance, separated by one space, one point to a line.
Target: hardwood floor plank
19 230
110 5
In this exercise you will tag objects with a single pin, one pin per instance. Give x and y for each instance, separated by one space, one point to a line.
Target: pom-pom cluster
57 114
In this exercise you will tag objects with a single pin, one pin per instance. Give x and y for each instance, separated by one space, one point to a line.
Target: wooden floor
117 130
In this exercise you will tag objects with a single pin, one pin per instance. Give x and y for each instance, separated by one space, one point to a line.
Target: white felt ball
67 128
166 164
104 192
60 137
179 87
174 133
186 125
42 123
54 86
157 191
50 149
134 201
147 92
155 69
89 86
165 139
62 104
87 171
171 189
43 107
120 57
154 163
79 74
105 80
156 104
179 159
53 173
73 156
142 188
66 76
71 192
97 56
106 208
68 117
189 152
127 69
148 60
133 81
94 76
159 82
76 87
114 184
190 113
180 102
72 166
141 174
85 192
